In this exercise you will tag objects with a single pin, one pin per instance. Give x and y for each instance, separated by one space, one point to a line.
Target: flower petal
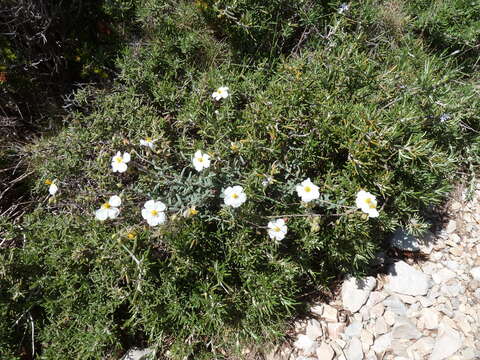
101 214
115 201
113 212
160 206
122 167
149 205
53 189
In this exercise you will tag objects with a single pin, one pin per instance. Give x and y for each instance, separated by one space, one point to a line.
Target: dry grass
393 18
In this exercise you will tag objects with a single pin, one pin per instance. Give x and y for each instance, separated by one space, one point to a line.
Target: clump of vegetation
232 145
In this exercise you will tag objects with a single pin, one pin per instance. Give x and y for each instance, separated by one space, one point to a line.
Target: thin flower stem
306 215
291 215
344 206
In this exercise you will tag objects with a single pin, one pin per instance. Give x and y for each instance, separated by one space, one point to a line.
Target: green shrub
265 29
454 25
347 114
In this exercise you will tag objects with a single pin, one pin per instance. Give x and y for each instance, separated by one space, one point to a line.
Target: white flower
110 209
277 229
307 191
367 203
53 188
343 8
119 162
148 142
267 181
200 161
221 93
153 212
445 117
234 196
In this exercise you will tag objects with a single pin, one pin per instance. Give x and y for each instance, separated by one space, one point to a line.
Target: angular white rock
305 344
405 279
426 301
404 329
325 352
137 354
443 275
314 329
381 326
354 350
317 310
475 273
399 347
367 340
447 343
389 317
382 343
355 292
329 313
395 305
431 318
354 329
403 241
335 329
422 347
377 310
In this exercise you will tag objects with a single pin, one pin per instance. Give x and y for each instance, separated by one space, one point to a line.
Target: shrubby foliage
347 109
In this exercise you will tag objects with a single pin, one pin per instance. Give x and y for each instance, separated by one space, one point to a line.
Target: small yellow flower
131 235
191 211
234 146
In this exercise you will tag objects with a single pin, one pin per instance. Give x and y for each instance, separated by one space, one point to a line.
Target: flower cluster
154 211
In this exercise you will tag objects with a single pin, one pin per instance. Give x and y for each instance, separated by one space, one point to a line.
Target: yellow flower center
307 188
118 159
193 211
148 139
106 206
220 91
131 236
235 196
154 212
48 182
200 159
276 229
370 203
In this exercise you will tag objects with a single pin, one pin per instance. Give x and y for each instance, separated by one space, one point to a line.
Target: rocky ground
427 308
